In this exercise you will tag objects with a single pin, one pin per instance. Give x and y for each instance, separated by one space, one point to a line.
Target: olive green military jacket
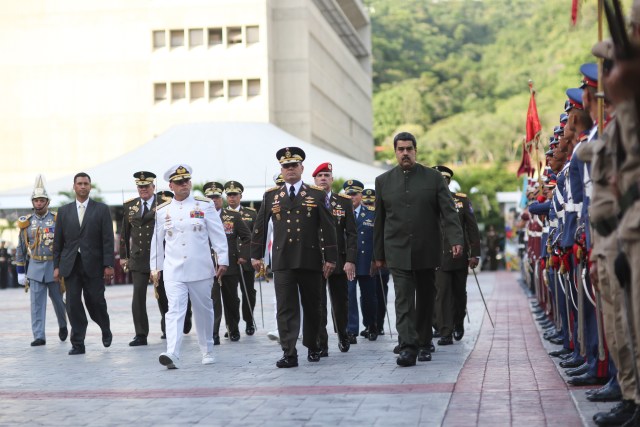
470 233
136 234
409 205
238 238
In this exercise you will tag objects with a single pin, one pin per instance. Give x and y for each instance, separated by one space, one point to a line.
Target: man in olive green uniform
412 201
138 221
238 241
451 278
233 190
302 227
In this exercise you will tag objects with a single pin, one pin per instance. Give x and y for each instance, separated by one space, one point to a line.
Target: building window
196 91
196 37
159 39
234 35
235 88
160 92
177 38
253 35
178 91
215 36
253 87
216 90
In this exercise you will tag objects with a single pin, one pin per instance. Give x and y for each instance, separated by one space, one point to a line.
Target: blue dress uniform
35 247
364 217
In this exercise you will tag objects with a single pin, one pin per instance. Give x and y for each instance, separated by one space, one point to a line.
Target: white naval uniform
188 228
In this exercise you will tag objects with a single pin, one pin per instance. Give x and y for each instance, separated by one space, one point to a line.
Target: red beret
322 167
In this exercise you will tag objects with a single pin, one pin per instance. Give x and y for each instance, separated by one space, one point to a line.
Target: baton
246 293
483 301
384 297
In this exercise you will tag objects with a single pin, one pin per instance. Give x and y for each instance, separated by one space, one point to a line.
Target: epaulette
344 196
127 201
249 208
202 199
315 187
163 205
272 189
23 221
461 195
371 208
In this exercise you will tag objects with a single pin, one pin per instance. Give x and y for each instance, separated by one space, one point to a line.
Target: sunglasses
182 181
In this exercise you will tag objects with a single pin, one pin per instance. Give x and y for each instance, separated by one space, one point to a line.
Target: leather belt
42 258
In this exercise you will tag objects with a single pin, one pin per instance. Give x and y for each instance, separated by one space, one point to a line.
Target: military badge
228 227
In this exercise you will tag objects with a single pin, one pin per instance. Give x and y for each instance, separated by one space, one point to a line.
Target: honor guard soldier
138 222
189 227
233 190
341 209
302 226
225 293
451 278
35 250
364 218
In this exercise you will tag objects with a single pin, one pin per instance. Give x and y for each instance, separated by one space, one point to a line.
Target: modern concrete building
83 82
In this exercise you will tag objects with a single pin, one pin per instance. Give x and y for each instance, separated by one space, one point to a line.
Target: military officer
35 249
341 209
225 293
302 226
189 227
451 278
364 218
233 190
135 241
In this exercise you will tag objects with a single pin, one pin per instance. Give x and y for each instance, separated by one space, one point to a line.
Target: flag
574 12
533 135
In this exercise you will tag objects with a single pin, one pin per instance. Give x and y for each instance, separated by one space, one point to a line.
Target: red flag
533 135
574 12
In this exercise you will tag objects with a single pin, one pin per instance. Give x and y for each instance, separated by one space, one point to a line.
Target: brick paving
497 377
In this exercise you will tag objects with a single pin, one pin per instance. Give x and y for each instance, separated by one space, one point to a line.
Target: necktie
292 192
326 201
81 213
145 209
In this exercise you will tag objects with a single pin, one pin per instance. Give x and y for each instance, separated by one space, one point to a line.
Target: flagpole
600 98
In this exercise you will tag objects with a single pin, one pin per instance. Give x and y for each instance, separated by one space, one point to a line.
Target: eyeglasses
182 181
290 165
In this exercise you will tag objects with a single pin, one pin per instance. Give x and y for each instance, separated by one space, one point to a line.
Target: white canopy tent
244 152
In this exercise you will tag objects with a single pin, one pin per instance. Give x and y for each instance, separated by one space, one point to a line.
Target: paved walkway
495 377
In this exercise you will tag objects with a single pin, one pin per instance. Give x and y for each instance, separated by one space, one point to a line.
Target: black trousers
228 295
163 306
451 299
139 303
248 296
292 288
79 284
339 294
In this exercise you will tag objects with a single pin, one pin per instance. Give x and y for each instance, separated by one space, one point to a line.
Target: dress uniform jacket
408 210
249 216
296 241
187 227
35 245
136 234
470 233
364 226
238 238
341 208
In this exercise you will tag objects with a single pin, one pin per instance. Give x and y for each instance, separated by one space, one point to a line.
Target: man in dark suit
302 226
412 201
451 278
83 256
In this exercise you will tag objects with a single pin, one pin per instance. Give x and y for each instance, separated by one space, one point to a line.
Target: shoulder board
248 208
371 208
272 189
461 195
23 221
315 187
202 199
163 205
344 196
127 201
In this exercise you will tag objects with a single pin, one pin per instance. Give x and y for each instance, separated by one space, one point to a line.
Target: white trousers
202 306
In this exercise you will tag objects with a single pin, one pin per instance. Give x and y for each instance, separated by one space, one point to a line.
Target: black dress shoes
76 350
344 344
406 358
424 355
580 370
63 333
352 339
396 349
216 340
556 340
586 379
38 342
106 339
458 332
138 340
373 335
287 362
620 414
448 340
313 356
558 353
572 363
324 352
234 336
436 333
365 333
250 330
609 393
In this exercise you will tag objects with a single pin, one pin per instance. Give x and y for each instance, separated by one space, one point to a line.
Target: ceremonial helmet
39 190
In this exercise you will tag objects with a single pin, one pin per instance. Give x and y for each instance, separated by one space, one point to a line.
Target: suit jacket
94 239
364 226
301 228
470 233
136 234
238 238
409 206
341 209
